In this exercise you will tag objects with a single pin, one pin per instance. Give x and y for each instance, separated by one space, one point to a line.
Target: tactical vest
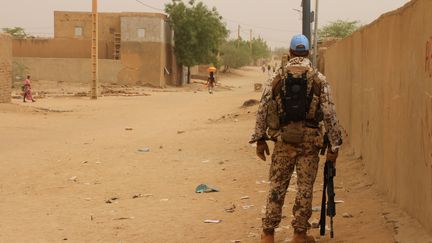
295 98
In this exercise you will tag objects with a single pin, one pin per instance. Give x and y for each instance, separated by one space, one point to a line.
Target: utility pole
315 52
250 39
306 4
238 36
94 51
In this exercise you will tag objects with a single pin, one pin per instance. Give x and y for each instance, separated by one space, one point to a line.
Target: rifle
329 173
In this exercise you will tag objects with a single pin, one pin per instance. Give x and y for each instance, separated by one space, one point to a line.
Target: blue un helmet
299 43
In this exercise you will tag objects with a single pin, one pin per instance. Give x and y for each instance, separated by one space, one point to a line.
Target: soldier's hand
332 156
262 149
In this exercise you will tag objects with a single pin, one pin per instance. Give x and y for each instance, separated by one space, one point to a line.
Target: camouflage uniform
284 61
302 155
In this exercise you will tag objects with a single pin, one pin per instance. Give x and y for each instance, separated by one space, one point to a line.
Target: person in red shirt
27 92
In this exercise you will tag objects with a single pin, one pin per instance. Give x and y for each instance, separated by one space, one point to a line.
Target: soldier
292 109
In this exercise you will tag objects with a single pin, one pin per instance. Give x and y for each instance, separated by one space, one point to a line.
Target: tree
16 32
198 32
338 29
235 54
260 49
238 53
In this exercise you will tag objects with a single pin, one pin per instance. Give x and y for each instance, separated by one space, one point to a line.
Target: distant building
5 68
134 48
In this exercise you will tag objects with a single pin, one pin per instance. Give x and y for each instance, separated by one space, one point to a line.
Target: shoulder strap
276 85
316 85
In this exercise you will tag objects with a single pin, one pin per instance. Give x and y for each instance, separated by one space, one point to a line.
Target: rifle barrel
331 228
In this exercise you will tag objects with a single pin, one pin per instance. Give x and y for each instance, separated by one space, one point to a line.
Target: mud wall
167 72
5 68
382 82
59 48
141 63
147 55
66 22
151 63
69 69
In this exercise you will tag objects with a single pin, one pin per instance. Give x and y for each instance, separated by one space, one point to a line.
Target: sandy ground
71 172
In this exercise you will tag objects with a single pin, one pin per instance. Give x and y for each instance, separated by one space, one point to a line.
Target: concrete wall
382 81
59 48
148 59
5 68
153 27
70 69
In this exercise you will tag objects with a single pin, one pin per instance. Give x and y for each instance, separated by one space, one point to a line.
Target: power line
228 19
234 21
268 40
149 6
259 27
244 32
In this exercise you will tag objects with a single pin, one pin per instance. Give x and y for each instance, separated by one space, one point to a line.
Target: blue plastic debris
203 188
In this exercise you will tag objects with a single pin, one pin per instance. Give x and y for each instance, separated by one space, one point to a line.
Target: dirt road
71 172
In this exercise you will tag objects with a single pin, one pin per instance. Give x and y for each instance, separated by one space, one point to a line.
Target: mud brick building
5 68
134 48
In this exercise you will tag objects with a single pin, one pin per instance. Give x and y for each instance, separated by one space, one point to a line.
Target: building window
141 33
78 31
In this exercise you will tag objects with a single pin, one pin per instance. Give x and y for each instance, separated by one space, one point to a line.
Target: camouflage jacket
327 106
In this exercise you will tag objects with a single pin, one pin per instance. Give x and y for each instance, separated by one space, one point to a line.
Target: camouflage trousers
304 159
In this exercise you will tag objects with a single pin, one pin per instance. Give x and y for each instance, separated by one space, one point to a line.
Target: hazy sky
274 20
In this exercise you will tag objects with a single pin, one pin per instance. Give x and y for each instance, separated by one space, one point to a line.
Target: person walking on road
292 111
211 81
269 69
27 91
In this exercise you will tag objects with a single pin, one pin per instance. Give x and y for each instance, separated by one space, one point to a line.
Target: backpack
297 98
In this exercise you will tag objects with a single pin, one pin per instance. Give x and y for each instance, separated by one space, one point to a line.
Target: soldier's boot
267 236
302 237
